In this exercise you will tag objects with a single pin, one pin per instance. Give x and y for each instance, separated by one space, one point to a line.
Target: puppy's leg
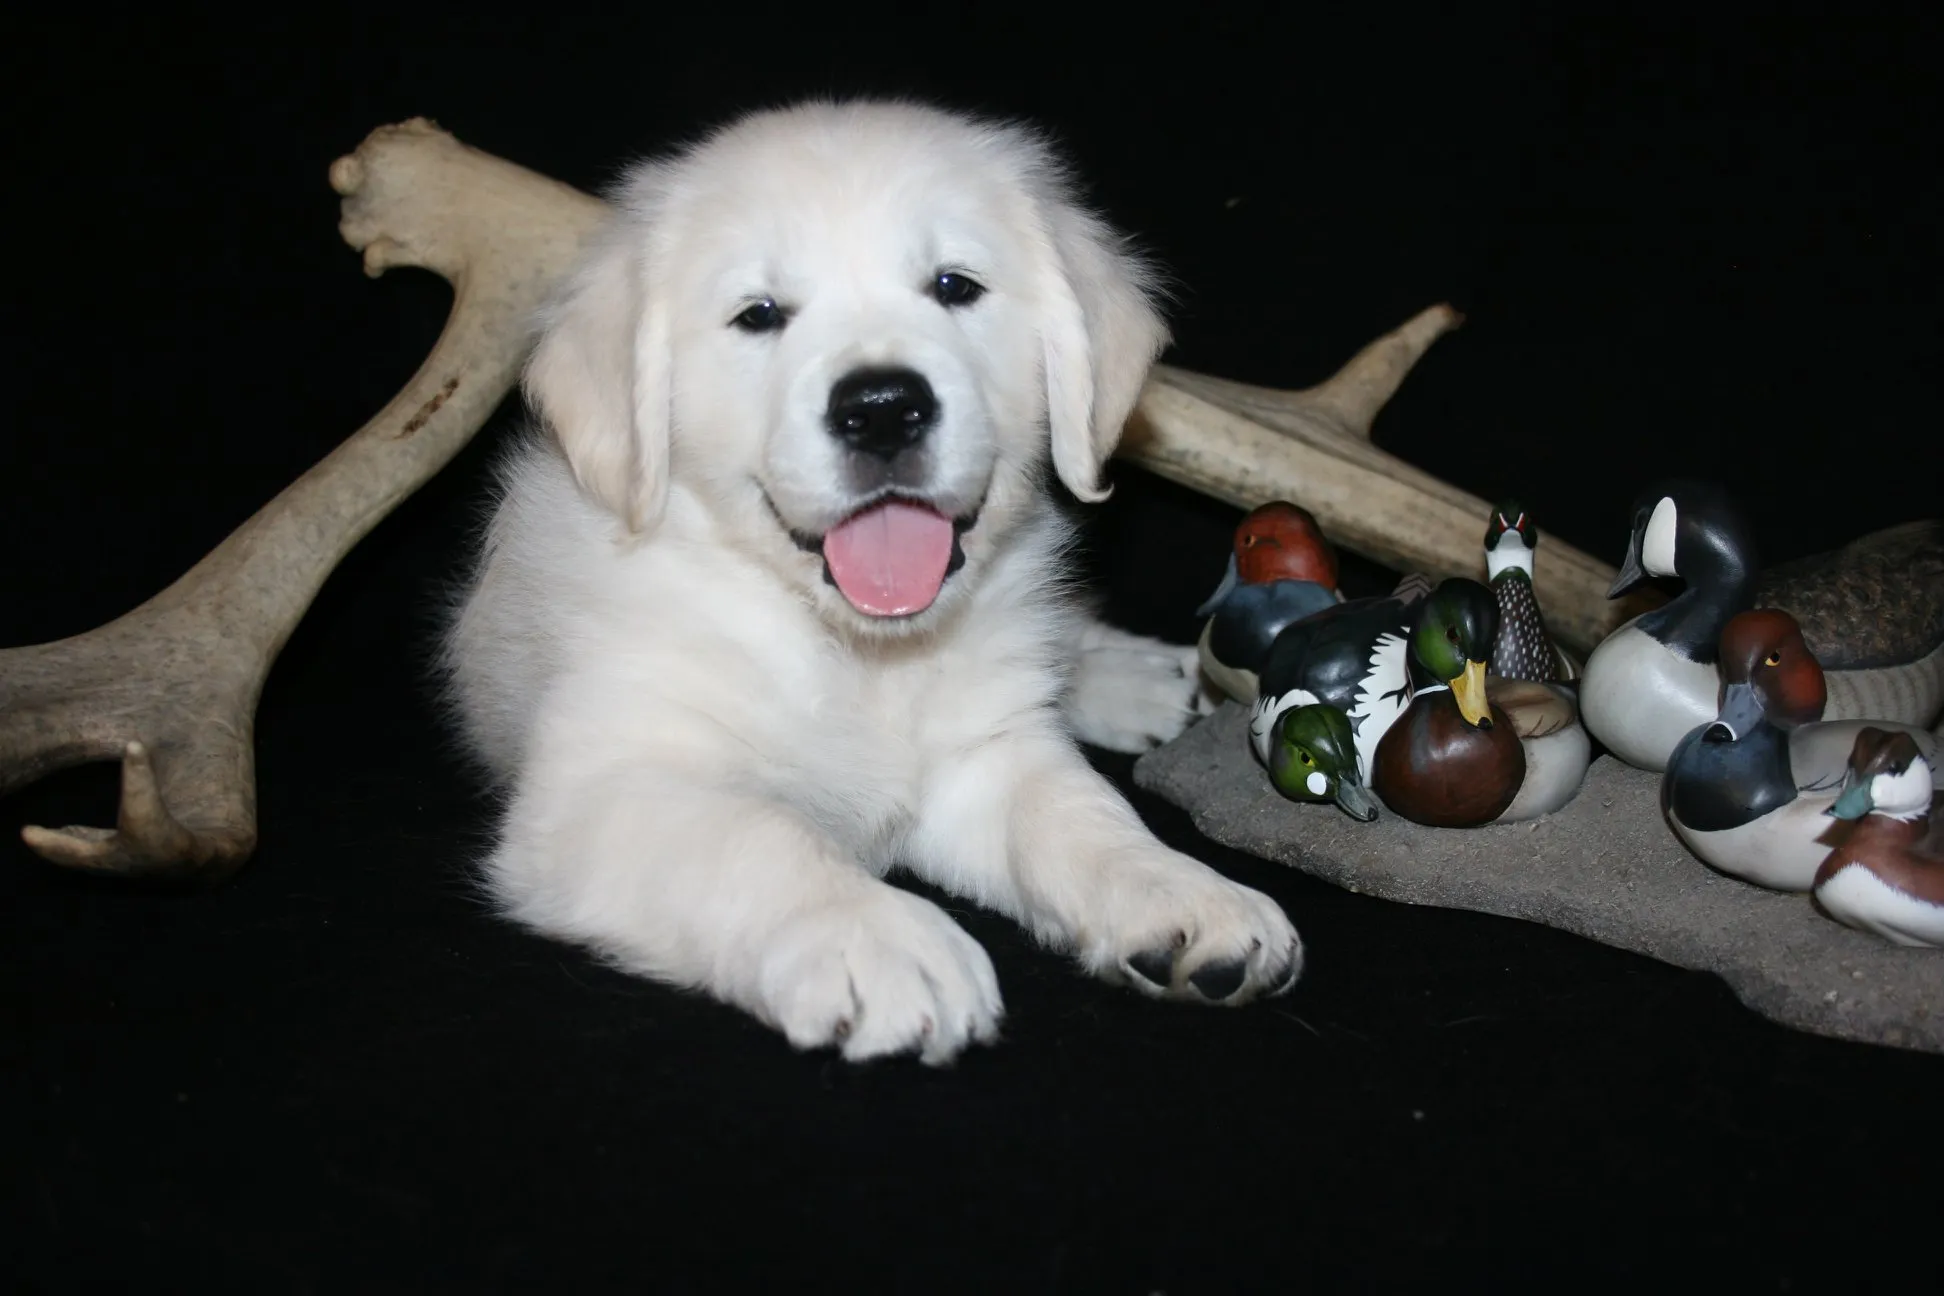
1023 825
1128 692
740 896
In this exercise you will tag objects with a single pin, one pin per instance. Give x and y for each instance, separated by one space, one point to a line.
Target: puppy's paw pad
1292 974
1155 966
1221 979
1178 929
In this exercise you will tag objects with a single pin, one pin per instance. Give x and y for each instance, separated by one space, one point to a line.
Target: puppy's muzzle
882 413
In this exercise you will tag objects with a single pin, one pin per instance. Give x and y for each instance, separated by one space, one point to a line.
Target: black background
1696 246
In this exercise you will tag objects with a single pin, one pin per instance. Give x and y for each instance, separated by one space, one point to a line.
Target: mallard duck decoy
1746 791
1523 649
1470 750
1557 747
1313 757
1886 874
1352 657
1872 612
1281 568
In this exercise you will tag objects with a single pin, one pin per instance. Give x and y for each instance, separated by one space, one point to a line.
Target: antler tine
171 688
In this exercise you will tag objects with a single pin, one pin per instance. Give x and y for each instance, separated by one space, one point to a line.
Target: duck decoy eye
1773 659
1451 634
1248 542
1308 759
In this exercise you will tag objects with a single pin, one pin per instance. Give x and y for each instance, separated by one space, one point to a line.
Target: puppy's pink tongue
890 560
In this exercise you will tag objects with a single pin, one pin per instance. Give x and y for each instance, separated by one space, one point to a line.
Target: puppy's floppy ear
600 373
1101 336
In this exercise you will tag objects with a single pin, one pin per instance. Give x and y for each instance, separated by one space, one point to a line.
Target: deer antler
171 688
1248 445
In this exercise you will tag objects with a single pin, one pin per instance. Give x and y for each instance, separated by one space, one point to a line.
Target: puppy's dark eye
953 289
763 317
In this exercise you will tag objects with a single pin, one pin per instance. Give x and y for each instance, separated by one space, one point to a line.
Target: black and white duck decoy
1353 657
1871 612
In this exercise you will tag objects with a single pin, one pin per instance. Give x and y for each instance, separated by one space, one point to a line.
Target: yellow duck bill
1469 691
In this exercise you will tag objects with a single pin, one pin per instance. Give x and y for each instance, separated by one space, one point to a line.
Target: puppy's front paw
1130 693
880 973
1181 930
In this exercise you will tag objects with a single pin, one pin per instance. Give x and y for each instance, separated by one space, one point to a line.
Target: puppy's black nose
881 411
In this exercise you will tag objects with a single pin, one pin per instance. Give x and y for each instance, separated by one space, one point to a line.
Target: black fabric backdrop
1682 246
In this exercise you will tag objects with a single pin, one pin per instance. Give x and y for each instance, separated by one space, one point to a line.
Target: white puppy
780 603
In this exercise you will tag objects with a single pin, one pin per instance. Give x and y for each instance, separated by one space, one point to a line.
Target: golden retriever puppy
776 603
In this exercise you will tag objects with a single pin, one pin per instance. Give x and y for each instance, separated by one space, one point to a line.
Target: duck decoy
1469 750
1872 613
1281 568
1886 874
1747 790
1313 757
1350 656
1557 747
1653 680
1523 650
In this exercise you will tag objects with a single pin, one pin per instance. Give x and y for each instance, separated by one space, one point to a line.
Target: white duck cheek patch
1905 795
1657 546
1511 552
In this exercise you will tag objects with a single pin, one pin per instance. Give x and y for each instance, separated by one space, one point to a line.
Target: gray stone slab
1605 867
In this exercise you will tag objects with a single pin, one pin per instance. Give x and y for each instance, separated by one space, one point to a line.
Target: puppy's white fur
711 757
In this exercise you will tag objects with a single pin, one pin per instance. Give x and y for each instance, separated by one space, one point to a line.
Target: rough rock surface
1606 867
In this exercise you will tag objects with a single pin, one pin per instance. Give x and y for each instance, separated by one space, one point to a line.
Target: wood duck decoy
1313 757
1747 791
1872 613
1469 750
1886 874
1281 569
1523 650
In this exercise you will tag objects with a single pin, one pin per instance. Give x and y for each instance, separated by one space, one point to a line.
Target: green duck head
1314 758
1456 628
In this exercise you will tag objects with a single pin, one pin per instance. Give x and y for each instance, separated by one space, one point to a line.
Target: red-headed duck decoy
1281 569
1747 791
